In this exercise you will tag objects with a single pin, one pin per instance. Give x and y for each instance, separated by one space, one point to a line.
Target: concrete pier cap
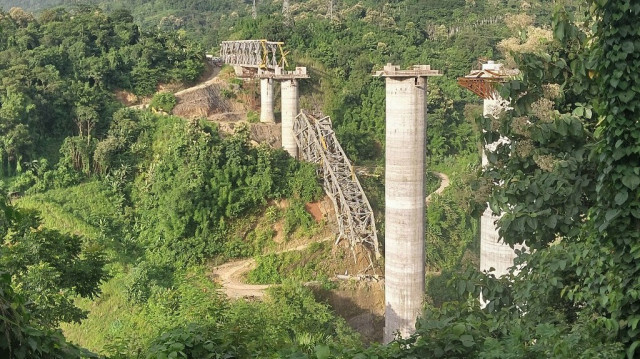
390 70
405 212
491 65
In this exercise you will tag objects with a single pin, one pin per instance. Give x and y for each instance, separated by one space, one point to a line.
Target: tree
611 285
85 118
48 267
22 340
15 110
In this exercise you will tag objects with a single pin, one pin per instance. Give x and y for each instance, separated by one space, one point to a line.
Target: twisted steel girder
318 144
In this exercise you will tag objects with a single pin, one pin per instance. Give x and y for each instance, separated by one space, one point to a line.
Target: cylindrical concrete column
289 95
493 253
404 203
266 101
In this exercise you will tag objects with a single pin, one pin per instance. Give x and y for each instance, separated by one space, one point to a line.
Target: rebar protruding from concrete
405 168
266 101
289 111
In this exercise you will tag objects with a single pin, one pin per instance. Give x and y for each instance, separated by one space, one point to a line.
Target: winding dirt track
444 183
230 275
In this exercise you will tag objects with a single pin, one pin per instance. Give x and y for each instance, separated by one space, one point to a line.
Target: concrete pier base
289 89
405 169
266 101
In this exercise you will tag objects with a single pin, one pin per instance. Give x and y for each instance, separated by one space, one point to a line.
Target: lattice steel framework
260 54
317 143
485 82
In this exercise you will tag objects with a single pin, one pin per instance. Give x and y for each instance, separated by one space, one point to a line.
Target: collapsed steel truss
317 143
260 54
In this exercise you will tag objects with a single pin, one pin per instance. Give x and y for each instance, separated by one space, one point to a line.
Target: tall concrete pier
266 101
405 169
493 253
289 111
290 98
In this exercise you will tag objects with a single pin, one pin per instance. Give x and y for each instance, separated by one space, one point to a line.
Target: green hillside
117 217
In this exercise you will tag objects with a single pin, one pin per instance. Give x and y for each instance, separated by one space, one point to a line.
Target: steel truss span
260 54
318 144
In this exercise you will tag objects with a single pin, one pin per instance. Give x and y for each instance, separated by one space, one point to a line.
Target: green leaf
458 329
588 113
551 221
628 47
614 82
632 349
626 96
323 352
611 214
467 340
621 197
32 343
558 32
631 181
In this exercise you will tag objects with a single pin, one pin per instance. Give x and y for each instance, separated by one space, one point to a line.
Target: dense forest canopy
115 207
60 71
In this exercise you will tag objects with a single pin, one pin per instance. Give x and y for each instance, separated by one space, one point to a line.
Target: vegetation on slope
167 193
59 73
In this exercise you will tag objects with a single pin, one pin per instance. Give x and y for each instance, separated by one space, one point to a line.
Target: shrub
164 101
23 182
296 217
252 117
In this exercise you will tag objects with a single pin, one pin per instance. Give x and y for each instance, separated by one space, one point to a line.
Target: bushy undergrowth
174 187
192 315
163 101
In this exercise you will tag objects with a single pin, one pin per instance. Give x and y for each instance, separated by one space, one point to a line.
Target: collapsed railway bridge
311 138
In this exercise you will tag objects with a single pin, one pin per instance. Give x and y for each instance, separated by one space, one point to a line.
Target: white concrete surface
404 203
266 101
289 89
493 252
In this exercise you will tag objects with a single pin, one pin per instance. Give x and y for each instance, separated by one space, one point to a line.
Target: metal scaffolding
318 144
261 54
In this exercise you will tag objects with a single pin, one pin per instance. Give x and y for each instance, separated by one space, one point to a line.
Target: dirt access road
230 275
444 183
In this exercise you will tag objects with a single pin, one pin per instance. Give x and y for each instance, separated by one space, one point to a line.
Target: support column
493 253
289 89
266 101
405 169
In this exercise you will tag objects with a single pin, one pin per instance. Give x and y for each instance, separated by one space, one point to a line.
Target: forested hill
194 5
112 218
213 21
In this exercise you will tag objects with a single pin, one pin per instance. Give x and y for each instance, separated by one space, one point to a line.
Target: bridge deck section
260 54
